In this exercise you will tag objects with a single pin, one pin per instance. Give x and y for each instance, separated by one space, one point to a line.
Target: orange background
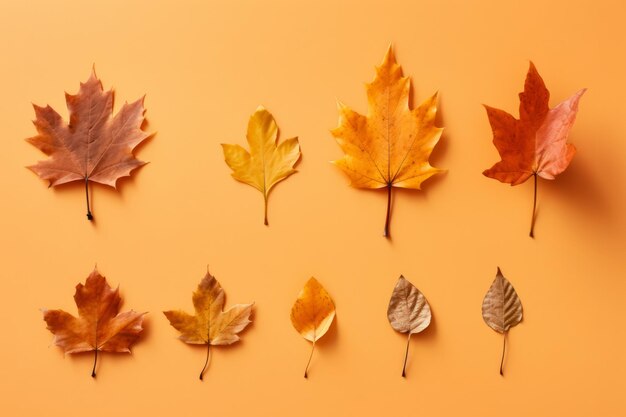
205 67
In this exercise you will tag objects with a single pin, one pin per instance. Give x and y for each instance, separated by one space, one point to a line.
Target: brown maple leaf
99 325
536 143
93 146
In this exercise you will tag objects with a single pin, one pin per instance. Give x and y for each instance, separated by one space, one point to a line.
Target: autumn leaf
408 312
535 145
390 146
267 163
502 309
312 314
210 325
93 146
100 327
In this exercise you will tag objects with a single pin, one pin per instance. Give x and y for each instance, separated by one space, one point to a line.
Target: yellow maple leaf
210 325
267 163
390 146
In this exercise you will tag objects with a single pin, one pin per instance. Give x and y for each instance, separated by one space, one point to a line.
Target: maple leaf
312 314
408 312
502 308
267 163
99 325
210 325
390 146
536 143
93 146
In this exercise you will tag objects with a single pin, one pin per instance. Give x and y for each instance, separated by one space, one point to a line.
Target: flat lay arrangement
376 268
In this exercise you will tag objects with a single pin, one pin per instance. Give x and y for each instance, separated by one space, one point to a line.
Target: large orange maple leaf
390 146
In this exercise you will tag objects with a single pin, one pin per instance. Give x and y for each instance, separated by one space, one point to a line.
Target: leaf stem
406 356
503 350
532 220
386 234
306 370
265 216
95 361
206 362
89 215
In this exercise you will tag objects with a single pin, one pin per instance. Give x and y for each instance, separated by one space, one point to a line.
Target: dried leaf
536 144
408 312
502 308
210 325
99 326
390 146
267 163
94 146
312 314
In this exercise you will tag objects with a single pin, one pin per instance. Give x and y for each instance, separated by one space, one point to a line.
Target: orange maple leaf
536 143
390 146
93 146
98 327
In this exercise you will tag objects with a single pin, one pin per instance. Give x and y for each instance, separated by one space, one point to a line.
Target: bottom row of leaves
100 327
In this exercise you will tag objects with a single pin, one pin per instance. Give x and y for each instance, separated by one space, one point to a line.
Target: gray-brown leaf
408 310
502 308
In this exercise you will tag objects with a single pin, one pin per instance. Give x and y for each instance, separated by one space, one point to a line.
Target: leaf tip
389 50
390 57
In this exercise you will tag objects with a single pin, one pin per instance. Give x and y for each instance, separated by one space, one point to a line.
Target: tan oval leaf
408 312
502 308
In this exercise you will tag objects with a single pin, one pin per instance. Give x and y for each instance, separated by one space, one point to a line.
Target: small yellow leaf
312 313
267 163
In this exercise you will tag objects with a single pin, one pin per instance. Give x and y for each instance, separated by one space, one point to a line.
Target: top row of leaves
389 147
